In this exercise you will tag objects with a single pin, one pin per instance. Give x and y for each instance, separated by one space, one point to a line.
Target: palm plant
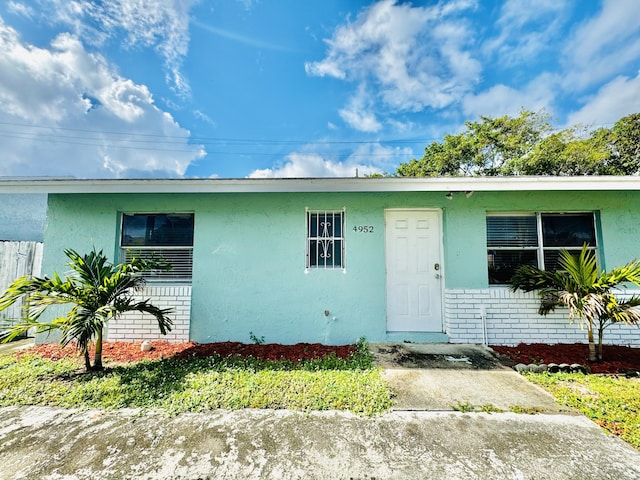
98 290
588 293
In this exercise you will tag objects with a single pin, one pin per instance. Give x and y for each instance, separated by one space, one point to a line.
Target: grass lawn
612 402
199 384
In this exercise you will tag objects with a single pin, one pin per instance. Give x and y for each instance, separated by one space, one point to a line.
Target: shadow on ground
439 356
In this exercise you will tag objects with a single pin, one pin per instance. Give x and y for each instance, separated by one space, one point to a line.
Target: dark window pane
568 229
337 254
157 230
512 231
504 263
325 253
134 230
313 224
325 225
313 253
552 258
337 225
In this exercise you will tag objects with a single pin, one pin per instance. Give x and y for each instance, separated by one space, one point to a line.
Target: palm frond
581 271
161 315
98 291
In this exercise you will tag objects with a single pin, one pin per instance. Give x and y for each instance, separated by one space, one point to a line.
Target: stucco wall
22 216
249 254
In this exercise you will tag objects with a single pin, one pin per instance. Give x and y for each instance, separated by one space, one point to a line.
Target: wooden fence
16 260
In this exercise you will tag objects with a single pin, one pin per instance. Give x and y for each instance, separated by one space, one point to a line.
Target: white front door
414 270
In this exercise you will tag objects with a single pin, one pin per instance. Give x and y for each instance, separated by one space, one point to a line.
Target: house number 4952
363 228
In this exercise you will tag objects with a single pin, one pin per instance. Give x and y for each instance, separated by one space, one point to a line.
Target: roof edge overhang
293 185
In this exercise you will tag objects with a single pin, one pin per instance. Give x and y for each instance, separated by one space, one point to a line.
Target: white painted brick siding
136 327
512 318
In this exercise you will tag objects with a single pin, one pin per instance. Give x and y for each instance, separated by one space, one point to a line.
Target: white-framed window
534 238
325 239
161 236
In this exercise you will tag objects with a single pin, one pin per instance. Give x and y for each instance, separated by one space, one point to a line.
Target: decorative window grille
325 239
515 239
167 237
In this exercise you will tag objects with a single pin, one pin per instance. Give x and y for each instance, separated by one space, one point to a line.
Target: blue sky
249 88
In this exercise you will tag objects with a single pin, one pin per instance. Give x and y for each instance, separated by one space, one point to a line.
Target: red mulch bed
616 359
131 351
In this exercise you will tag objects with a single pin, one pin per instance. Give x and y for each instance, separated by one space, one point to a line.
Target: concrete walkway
15 346
55 444
445 377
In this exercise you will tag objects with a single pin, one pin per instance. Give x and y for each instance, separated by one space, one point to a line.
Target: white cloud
200 115
526 29
615 100
604 45
77 102
159 24
243 39
18 8
501 99
366 159
300 165
358 114
414 57
515 14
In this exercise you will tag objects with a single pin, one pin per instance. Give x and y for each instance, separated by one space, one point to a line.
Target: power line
97 143
201 139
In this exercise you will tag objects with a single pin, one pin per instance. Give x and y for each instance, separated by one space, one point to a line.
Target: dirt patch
132 352
617 359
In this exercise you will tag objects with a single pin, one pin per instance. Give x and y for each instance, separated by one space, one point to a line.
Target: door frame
439 212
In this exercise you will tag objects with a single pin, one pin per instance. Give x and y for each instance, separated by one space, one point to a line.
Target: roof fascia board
281 185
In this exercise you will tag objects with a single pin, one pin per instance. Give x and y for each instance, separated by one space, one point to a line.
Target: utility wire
199 139
111 145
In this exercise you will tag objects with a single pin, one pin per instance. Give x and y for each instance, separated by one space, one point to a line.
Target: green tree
626 144
98 290
526 145
487 147
567 153
587 292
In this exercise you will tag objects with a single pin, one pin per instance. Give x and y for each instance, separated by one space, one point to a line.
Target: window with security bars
325 239
166 237
515 239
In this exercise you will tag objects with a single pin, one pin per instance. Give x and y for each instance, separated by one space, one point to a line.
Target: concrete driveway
46 443
435 442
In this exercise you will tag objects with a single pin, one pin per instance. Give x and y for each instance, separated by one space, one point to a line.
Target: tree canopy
528 145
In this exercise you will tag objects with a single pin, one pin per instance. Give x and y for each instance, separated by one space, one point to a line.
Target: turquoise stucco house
334 259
